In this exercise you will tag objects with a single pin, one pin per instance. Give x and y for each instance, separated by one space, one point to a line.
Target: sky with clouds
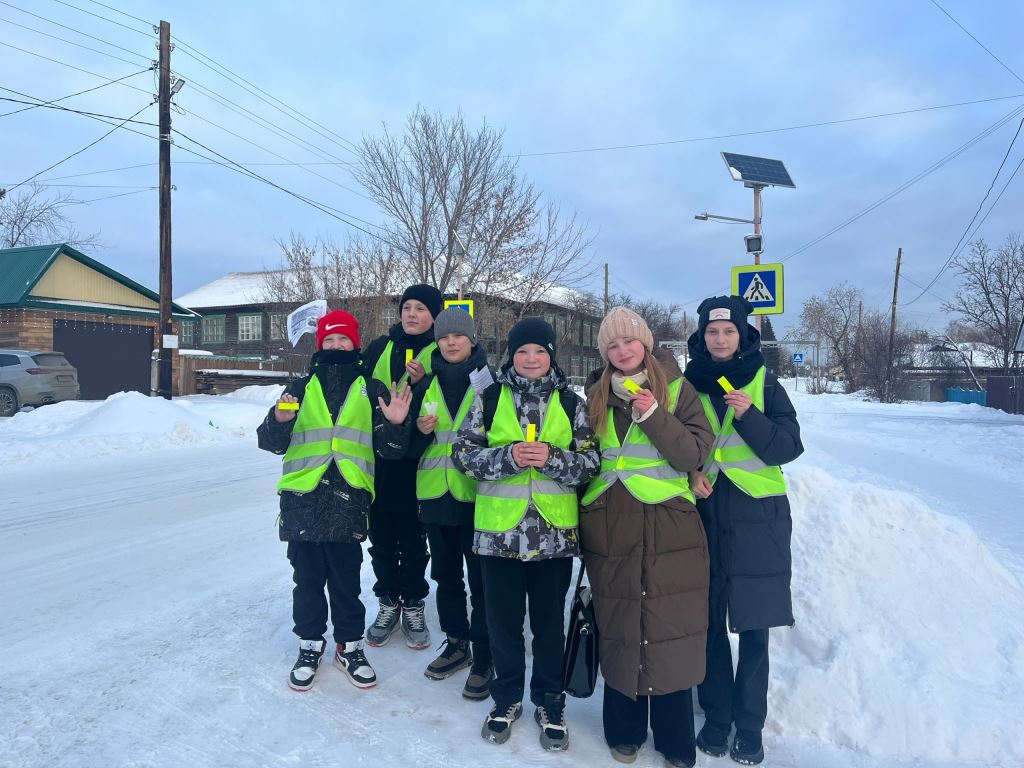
555 77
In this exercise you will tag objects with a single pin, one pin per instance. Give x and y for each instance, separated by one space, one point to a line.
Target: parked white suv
35 378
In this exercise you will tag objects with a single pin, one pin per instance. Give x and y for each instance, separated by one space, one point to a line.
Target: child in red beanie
331 426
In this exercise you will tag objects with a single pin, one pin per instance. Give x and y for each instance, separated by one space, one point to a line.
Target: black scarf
703 372
336 369
403 341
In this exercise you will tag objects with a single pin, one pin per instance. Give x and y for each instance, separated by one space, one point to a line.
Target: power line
67 109
96 173
1001 62
71 95
43 183
956 248
70 29
104 18
69 66
127 15
80 151
906 185
110 197
767 130
334 212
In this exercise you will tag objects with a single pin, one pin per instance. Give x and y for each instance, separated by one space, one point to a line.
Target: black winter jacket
395 479
454 381
748 538
334 510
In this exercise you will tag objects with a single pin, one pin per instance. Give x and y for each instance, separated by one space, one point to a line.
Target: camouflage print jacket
533 538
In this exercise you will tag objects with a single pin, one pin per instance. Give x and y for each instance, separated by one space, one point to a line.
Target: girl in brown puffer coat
643 543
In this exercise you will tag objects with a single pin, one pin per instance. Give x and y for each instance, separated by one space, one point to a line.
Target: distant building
53 297
237 320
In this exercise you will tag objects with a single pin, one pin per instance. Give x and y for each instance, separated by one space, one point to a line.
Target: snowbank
908 641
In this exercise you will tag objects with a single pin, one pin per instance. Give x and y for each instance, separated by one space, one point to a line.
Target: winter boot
304 671
498 725
554 734
478 684
350 659
713 739
625 753
680 762
385 624
747 748
453 657
414 625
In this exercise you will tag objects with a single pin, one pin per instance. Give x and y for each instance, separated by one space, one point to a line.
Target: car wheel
8 401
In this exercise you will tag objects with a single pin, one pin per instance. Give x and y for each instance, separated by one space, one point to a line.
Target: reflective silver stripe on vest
655 473
747 465
314 462
326 434
436 462
731 441
444 435
519 490
639 451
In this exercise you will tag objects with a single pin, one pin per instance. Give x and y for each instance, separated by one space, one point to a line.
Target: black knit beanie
428 295
532 330
735 309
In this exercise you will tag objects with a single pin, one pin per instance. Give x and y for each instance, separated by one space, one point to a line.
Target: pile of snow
908 635
131 422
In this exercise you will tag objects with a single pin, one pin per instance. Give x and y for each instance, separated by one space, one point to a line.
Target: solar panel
758 171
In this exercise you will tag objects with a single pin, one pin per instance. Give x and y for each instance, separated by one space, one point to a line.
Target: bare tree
29 217
991 294
833 319
886 384
667 322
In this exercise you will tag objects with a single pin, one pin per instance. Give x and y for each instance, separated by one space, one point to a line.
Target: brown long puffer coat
648 564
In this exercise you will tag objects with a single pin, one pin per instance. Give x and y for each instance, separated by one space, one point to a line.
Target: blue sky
554 76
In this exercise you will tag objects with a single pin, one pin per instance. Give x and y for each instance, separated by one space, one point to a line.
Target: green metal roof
21 268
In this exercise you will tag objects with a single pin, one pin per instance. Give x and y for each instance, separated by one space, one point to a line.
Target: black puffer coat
453 381
334 510
748 538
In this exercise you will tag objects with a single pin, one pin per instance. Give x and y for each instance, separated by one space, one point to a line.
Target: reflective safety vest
732 455
501 504
635 462
316 440
382 370
436 474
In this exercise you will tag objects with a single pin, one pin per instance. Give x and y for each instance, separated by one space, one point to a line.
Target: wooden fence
189 376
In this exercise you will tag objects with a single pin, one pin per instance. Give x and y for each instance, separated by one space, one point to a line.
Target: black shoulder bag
579 662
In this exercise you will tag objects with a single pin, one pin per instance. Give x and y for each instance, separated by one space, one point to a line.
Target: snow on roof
980 355
233 290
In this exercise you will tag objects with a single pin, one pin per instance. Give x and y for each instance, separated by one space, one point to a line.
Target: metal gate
110 357
1006 393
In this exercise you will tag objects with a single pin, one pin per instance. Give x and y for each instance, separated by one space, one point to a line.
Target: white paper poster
304 319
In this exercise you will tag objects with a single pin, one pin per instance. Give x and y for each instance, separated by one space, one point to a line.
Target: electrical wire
71 95
111 197
68 109
70 29
72 42
80 151
104 18
906 185
70 66
127 15
991 186
983 46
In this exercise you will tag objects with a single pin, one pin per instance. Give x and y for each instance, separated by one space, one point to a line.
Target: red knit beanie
337 321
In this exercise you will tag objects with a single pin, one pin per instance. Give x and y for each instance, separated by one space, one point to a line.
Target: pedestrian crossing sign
761 285
463 304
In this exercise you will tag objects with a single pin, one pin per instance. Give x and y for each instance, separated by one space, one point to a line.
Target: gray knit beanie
455 320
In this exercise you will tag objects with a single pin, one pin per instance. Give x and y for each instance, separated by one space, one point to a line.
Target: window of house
250 327
278 326
213 329
575 367
187 334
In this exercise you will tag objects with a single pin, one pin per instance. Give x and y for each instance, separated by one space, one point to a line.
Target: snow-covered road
146 603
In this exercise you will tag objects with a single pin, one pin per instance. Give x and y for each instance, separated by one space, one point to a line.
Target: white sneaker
351 660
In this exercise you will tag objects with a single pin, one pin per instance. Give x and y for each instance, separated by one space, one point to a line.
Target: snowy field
146 602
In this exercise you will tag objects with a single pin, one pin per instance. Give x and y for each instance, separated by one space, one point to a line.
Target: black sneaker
385 624
351 660
680 762
554 734
625 753
747 748
304 671
454 656
498 725
478 684
713 739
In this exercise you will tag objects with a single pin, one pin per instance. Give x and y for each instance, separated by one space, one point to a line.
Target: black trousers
671 719
398 550
450 545
741 699
336 566
508 585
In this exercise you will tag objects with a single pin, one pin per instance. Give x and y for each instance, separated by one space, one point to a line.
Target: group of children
417 442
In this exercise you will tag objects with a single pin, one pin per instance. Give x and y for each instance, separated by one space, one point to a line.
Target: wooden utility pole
606 299
892 323
164 101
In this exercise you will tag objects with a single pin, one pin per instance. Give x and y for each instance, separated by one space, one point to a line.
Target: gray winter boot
385 624
414 625
454 656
